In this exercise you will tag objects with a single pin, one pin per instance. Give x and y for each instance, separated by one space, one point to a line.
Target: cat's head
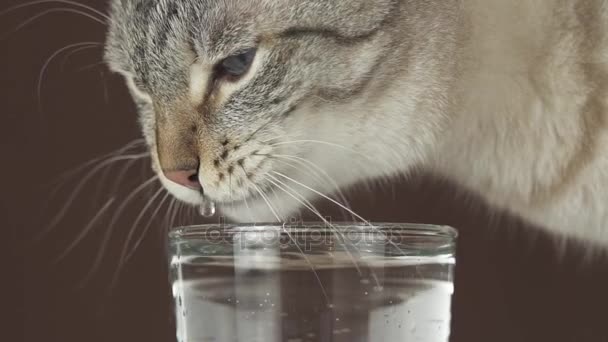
250 102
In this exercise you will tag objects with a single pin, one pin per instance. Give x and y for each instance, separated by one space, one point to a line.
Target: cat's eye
236 66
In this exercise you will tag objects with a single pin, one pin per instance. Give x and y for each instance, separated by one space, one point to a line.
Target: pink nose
187 178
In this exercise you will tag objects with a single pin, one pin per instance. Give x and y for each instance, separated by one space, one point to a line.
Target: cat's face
254 95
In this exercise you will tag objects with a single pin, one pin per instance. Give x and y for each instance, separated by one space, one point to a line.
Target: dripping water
207 208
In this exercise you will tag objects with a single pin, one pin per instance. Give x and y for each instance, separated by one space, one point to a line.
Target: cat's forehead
157 25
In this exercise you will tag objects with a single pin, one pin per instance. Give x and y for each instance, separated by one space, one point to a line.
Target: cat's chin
257 210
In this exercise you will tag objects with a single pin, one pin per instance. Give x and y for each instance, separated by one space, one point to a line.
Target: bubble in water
207 208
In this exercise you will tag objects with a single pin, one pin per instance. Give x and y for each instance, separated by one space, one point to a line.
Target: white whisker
50 11
87 229
67 2
68 55
49 61
261 193
61 179
295 243
174 214
335 202
324 196
303 201
132 230
106 238
245 194
77 190
146 228
326 143
311 167
90 66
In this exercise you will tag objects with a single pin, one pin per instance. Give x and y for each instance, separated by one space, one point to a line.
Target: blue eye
237 65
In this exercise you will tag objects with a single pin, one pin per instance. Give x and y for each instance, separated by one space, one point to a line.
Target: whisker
295 242
90 66
67 2
276 138
335 202
174 214
257 188
326 143
47 12
121 175
245 193
68 55
111 158
49 61
120 151
146 228
324 196
57 218
132 230
252 135
88 228
169 211
111 226
311 167
303 201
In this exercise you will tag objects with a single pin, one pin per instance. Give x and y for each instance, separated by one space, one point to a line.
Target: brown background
511 282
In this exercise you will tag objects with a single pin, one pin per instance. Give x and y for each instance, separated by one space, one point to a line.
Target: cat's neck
527 128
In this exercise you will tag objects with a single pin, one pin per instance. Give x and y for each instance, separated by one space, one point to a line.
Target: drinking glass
301 282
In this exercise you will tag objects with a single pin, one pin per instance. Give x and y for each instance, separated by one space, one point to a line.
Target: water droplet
268 294
261 304
331 306
207 208
337 319
366 293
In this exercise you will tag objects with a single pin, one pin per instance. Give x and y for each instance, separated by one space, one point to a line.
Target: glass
313 282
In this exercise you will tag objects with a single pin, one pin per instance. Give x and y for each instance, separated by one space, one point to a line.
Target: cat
264 105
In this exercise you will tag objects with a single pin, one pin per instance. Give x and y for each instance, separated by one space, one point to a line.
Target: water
207 208
248 292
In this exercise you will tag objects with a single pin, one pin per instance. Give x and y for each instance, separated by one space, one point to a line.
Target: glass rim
402 229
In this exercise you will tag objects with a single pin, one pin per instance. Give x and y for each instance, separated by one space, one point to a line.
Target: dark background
513 283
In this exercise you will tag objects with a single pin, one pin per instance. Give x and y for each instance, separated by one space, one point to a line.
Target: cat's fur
507 98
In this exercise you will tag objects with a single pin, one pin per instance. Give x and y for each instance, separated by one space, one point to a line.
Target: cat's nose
187 178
